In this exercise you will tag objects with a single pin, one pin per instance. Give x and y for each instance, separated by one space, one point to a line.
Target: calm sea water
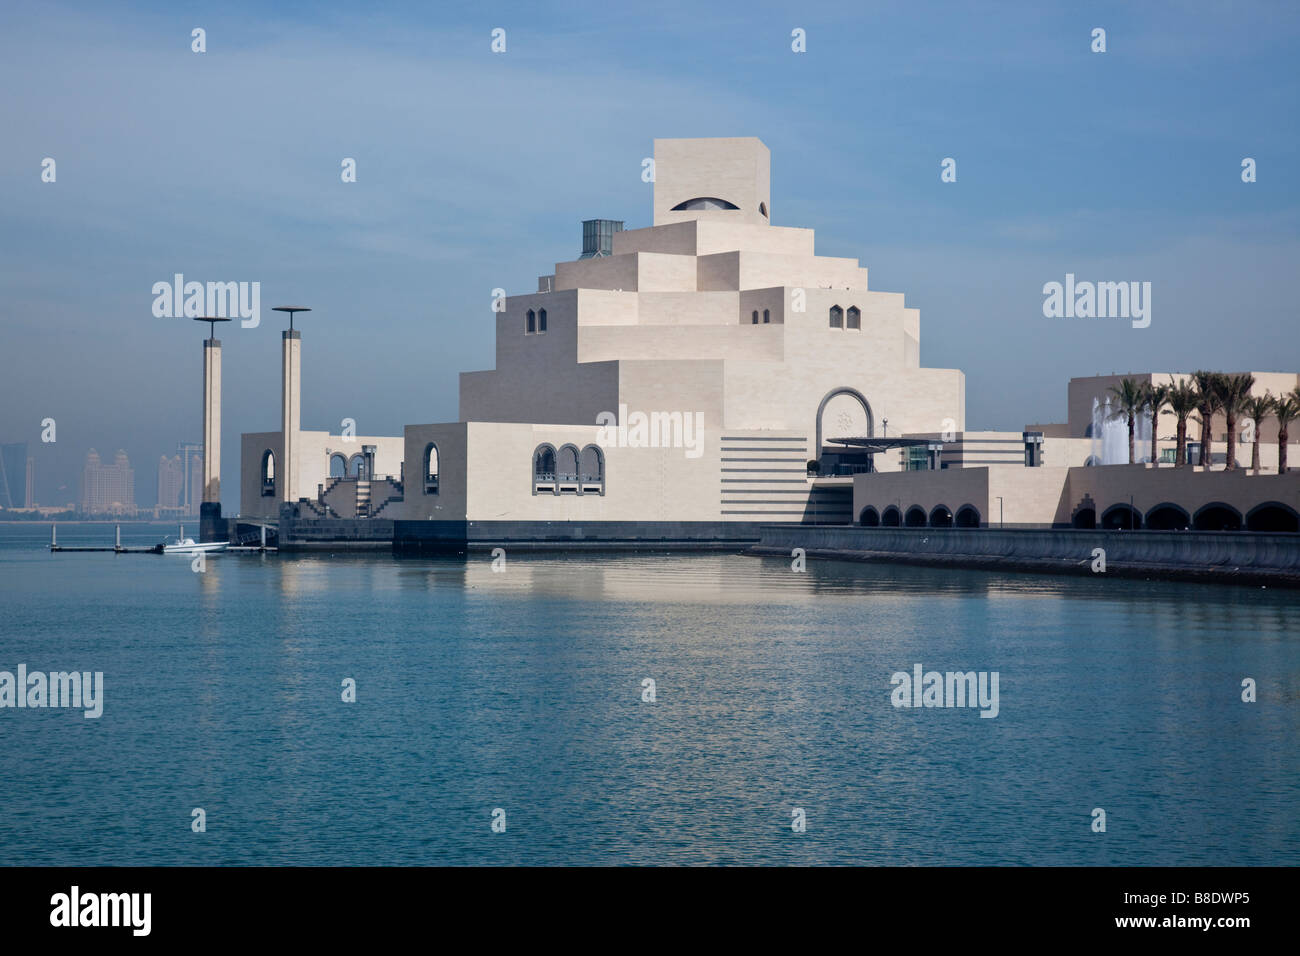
522 690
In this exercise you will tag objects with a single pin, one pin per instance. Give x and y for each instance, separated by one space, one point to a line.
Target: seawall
1226 557
458 536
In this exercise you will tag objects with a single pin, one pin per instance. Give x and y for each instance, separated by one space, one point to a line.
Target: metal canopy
873 445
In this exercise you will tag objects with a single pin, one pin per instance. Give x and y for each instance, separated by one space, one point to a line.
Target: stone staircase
363 498
400 495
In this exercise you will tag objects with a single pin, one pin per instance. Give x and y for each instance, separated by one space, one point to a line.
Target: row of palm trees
1199 398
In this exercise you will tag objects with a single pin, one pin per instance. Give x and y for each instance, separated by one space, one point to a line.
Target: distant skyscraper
171 482
30 499
107 489
195 485
14 491
192 458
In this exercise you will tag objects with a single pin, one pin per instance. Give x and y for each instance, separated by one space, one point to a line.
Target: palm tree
1128 403
1234 390
1207 390
1154 398
1257 408
1182 401
1286 409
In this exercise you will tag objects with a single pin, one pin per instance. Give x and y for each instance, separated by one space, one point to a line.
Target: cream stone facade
991 479
263 485
690 381
739 350
1113 496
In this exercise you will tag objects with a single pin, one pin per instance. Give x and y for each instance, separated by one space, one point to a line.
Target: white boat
184 545
188 546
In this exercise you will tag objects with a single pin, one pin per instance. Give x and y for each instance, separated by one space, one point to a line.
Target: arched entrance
1272 516
1217 517
1168 517
940 517
1121 518
843 413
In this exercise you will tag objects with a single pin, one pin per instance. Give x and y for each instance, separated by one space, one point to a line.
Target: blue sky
475 170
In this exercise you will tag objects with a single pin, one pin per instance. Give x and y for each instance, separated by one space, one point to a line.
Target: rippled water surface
521 690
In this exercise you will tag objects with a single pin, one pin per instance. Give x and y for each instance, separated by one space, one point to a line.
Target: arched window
592 477
531 323
767 316
566 467
870 517
541 320
940 517
357 466
704 202
431 469
837 317
543 469
891 518
915 517
338 465
855 317
968 517
268 474
754 318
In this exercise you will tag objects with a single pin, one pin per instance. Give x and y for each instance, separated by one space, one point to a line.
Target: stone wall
298 532
1225 557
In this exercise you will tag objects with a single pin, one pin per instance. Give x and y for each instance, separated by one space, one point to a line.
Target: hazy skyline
475 169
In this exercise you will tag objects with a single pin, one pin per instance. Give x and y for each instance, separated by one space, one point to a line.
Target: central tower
727 180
